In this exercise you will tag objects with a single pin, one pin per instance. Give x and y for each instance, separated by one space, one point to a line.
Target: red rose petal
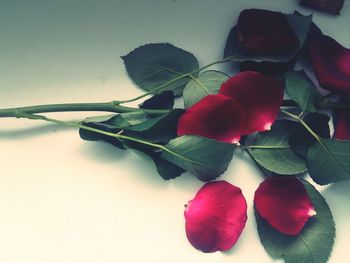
215 116
284 203
341 121
262 31
330 61
260 97
216 217
330 6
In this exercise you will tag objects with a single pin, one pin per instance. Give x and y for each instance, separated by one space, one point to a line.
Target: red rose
330 61
216 217
284 203
262 31
246 103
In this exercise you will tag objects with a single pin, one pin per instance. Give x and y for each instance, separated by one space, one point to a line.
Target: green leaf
208 82
166 169
137 121
301 89
301 140
130 120
93 136
312 245
103 118
164 100
329 161
205 158
272 151
152 65
161 129
300 25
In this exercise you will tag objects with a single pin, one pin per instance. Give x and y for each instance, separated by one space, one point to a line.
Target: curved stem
214 63
66 107
200 84
302 122
318 138
186 75
19 114
265 147
153 90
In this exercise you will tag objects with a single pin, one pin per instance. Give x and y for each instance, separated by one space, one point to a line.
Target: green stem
200 84
66 107
318 138
19 114
214 63
179 77
153 90
265 147
302 122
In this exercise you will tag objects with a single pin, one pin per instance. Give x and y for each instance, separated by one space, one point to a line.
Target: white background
67 200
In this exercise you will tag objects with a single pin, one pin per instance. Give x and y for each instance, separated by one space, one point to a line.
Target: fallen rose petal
260 97
284 203
330 61
341 120
215 117
329 6
262 31
216 217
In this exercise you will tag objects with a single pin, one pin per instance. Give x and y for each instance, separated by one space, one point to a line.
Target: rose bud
215 217
262 31
284 203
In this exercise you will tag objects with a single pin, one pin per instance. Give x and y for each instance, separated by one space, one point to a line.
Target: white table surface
67 200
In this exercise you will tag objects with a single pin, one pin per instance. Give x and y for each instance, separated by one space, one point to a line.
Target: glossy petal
341 119
260 97
215 116
216 217
329 6
262 31
330 61
284 203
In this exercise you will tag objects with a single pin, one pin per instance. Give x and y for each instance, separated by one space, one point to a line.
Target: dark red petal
330 6
216 217
215 116
284 203
262 31
330 61
260 97
341 119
